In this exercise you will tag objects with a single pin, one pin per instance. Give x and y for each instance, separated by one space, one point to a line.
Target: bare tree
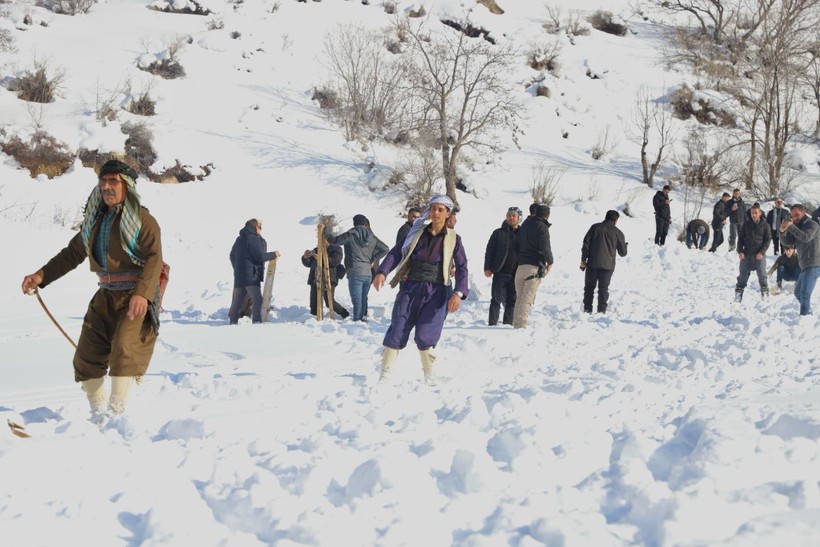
460 96
650 122
810 78
367 77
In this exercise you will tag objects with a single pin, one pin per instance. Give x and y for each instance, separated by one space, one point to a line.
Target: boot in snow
388 358
119 393
427 360
95 391
738 295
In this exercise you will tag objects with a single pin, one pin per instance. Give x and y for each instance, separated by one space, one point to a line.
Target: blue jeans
359 286
804 287
690 240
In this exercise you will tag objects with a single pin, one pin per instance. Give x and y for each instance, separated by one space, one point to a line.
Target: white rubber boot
120 385
95 391
388 358
427 360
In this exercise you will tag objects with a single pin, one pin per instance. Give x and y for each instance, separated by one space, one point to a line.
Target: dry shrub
180 173
41 155
139 145
166 68
169 8
544 56
602 20
38 85
7 41
683 102
67 7
143 105
421 12
389 7
327 98
543 91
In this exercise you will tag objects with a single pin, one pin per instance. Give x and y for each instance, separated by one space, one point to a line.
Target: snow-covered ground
678 418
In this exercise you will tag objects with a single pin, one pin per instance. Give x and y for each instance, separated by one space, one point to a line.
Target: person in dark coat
362 250
412 214
815 216
601 242
752 242
122 242
534 262
773 219
500 263
697 234
720 217
423 264
663 215
804 233
736 212
787 266
334 259
248 256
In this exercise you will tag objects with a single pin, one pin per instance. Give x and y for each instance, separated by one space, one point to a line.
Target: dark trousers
338 309
718 240
734 227
661 229
503 293
238 303
596 276
748 265
775 241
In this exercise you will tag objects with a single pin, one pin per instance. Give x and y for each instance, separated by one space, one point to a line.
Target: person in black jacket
601 242
736 211
334 259
752 242
534 262
663 215
773 219
412 214
719 216
787 266
500 263
248 256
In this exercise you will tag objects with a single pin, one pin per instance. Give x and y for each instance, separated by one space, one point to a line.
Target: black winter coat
248 256
403 231
738 216
499 249
754 237
719 214
533 242
662 209
334 258
601 243
774 218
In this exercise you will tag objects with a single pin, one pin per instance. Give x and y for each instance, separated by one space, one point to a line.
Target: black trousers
717 229
601 278
661 229
503 293
337 308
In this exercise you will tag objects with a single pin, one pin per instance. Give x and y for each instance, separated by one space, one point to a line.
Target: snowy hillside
678 418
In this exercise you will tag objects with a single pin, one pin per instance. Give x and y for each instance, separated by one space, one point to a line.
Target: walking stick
45 309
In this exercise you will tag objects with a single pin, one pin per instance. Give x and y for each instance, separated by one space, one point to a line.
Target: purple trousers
421 305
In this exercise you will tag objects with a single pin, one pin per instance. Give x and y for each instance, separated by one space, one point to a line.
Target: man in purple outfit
422 263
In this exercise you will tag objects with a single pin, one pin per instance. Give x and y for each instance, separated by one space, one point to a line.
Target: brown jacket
149 244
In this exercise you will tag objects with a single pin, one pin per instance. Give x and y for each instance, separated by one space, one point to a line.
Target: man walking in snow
248 256
804 233
122 242
500 263
534 261
752 241
663 215
719 218
601 242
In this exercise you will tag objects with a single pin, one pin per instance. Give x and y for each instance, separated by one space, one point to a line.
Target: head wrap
130 221
419 223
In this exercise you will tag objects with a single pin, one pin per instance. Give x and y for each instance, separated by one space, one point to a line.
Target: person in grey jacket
362 250
601 242
804 233
753 240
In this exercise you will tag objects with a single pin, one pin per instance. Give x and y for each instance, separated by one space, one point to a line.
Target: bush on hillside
190 8
602 20
142 105
544 56
180 173
326 97
684 106
41 155
139 145
7 41
168 69
38 85
67 7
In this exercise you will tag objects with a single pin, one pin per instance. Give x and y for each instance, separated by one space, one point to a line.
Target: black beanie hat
117 167
360 220
542 211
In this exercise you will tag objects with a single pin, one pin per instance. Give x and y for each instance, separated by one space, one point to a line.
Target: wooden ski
267 292
323 286
17 429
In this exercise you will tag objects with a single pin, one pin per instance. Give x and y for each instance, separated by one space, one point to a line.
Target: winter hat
117 167
515 210
542 211
360 220
701 230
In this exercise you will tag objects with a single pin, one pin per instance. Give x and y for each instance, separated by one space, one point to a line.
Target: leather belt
114 278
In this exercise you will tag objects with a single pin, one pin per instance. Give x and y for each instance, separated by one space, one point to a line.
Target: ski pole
45 309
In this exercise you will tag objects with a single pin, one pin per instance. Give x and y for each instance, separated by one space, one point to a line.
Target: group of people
428 262
789 230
